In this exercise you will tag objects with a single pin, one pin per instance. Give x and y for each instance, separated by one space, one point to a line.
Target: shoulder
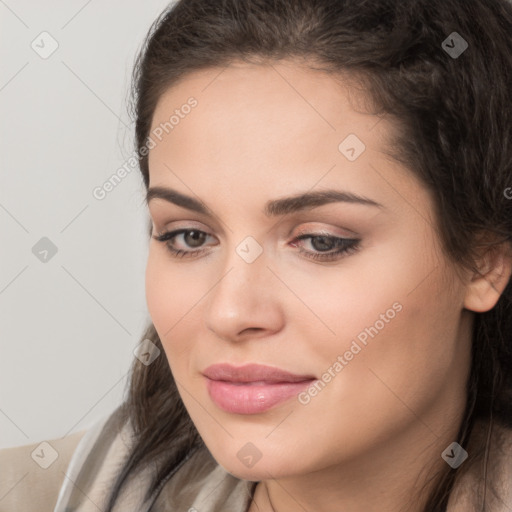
488 473
96 461
31 475
41 476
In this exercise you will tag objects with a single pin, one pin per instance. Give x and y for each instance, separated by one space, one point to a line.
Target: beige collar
202 485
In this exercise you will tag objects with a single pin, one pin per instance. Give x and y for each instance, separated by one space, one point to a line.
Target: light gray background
68 326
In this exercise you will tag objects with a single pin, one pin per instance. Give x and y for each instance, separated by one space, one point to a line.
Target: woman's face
366 306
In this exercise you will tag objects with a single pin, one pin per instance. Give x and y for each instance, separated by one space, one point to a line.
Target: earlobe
486 286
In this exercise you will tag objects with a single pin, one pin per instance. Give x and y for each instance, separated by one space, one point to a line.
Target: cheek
171 297
171 292
159 301
169 301
391 315
394 369
353 300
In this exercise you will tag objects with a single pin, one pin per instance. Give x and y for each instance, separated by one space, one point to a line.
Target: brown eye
184 242
326 247
323 243
194 238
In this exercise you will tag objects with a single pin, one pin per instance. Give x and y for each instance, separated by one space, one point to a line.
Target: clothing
200 483
25 486
88 462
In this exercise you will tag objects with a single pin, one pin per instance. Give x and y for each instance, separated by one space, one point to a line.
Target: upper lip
252 373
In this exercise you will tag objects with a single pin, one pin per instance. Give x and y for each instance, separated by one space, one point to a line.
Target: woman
328 278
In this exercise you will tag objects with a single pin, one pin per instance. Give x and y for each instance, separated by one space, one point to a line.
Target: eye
326 247
190 238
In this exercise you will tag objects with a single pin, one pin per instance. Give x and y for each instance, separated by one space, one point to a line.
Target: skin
375 432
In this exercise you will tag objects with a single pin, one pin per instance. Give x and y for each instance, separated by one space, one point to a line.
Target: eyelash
345 246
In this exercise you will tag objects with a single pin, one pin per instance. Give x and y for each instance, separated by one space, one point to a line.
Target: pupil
194 238
322 243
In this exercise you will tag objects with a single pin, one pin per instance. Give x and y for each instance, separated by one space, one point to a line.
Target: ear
486 286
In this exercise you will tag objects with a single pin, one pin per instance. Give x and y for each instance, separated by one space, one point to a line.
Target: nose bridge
243 298
244 272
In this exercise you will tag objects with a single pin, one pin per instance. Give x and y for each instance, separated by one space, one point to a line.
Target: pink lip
252 388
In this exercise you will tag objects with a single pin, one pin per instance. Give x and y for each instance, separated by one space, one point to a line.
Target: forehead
278 106
281 122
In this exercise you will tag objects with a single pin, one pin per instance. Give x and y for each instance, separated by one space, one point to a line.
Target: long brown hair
454 117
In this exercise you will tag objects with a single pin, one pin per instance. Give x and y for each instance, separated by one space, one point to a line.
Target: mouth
256 373
252 388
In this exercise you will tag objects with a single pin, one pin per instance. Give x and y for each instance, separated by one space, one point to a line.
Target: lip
252 388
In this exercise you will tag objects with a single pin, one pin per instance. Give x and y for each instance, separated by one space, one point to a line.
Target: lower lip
252 398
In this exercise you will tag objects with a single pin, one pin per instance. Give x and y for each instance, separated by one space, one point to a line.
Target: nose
245 302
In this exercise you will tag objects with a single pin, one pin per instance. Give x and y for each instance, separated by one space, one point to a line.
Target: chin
261 470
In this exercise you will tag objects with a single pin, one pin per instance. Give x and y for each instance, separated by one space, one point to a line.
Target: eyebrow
275 207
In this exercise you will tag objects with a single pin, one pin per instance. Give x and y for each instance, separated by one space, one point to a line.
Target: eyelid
323 231
180 224
304 229
177 218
